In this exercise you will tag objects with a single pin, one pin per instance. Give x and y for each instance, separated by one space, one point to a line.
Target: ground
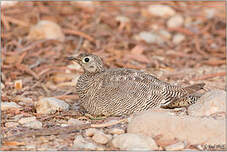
187 50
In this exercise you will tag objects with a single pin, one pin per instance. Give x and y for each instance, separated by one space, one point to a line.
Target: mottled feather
125 91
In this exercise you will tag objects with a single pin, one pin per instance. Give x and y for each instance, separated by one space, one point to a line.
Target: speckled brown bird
120 91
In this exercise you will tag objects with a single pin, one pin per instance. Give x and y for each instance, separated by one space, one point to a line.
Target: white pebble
161 10
30 122
210 12
90 132
122 19
176 146
11 124
26 120
165 34
8 3
178 38
101 138
50 105
150 37
80 143
116 131
9 105
175 21
134 142
46 30
34 124
73 121
2 86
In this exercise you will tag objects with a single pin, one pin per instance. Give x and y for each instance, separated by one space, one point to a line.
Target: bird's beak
72 58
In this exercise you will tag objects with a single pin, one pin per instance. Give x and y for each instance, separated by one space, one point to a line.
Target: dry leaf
13 143
137 54
18 84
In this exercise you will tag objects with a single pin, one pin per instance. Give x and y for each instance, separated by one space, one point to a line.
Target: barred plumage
125 91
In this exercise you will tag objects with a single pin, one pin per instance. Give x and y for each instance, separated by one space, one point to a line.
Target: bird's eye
86 60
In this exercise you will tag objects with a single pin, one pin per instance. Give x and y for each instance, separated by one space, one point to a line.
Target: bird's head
89 62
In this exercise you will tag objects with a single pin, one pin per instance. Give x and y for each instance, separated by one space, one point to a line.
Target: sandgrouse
120 91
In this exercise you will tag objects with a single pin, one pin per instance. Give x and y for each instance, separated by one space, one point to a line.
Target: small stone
90 132
97 135
188 22
210 103
116 131
11 124
31 147
177 146
9 105
134 142
30 122
210 13
25 100
34 124
122 19
26 120
165 34
178 38
2 86
175 21
17 117
50 105
8 3
80 143
150 37
51 85
101 138
161 10
64 125
73 121
184 128
46 30
76 107
83 3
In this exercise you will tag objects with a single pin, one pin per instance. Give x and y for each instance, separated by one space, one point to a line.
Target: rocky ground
179 42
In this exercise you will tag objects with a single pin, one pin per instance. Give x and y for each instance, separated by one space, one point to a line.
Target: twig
79 45
181 30
62 130
26 69
84 35
43 72
21 58
215 62
37 63
108 124
29 47
66 97
5 22
48 131
45 89
16 21
208 76
198 49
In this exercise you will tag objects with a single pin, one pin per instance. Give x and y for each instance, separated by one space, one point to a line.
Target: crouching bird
121 91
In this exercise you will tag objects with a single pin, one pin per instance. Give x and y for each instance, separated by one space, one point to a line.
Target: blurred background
179 42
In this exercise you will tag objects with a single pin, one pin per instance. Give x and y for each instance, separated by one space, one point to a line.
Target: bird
121 91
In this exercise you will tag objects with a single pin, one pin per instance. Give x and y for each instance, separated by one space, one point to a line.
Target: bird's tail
184 102
195 87
188 99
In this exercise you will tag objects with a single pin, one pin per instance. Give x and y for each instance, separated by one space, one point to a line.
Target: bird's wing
126 91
